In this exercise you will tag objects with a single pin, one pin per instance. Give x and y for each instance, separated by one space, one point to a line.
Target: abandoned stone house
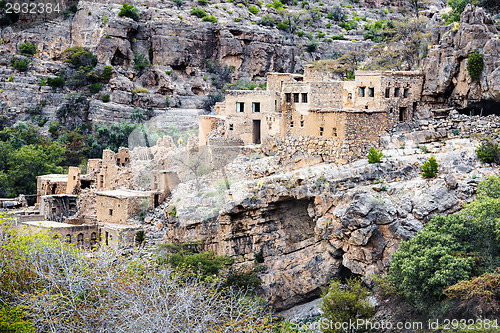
99 206
344 114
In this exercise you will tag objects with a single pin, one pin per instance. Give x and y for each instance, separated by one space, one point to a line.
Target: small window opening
396 92
240 107
295 97
231 127
387 92
304 97
405 93
371 92
361 91
255 107
110 212
334 132
321 129
288 97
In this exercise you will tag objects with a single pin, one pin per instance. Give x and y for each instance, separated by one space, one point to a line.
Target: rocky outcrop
328 221
447 80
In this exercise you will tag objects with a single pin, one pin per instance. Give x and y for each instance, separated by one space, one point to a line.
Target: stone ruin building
339 119
99 206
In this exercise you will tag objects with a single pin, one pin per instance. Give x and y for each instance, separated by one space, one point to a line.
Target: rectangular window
288 98
371 92
396 92
110 212
387 92
231 127
321 131
296 97
349 96
291 123
304 97
334 132
405 93
361 91
301 123
240 107
255 107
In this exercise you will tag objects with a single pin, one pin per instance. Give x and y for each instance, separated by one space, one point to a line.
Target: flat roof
55 177
49 224
121 194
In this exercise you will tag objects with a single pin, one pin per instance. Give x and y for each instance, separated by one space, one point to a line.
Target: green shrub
107 71
375 156
173 212
203 2
140 237
457 7
300 33
95 88
244 277
253 9
14 320
20 64
343 304
282 25
79 57
430 168
56 82
210 18
338 37
207 263
10 79
105 98
488 152
129 11
140 91
237 19
267 21
140 62
178 3
27 48
312 45
475 65
199 12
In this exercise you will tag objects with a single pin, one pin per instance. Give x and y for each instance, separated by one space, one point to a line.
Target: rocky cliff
447 80
324 221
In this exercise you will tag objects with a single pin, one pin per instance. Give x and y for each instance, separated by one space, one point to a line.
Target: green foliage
20 64
140 62
345 304
140 236
95 88
110 136
173 212
206 263
79 57
475 65
178 3
199 12
105 98
244 277
430 168
10 79
107 71
348 25
488 151
375 156
203 2
312 45
210 18
253 9
457 7
267 21
138 116
283 25
14 320
27 48
338 37
129 11
449 249
55 82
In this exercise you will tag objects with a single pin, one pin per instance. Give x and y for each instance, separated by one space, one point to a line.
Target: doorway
403 114
256 131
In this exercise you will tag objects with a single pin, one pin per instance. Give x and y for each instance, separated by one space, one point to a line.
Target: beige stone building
315 106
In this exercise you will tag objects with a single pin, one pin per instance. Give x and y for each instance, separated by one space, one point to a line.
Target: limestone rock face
447 79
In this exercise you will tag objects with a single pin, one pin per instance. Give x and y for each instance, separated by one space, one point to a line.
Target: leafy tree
345 303
430 168
79 57
20 64
110 136
449 249
129 11
375 156
107 71
457 7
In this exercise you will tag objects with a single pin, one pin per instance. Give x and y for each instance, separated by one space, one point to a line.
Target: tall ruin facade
343 117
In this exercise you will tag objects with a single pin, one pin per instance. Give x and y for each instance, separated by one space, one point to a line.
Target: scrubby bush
430 168
375 156
140 91
267 21
20 64
210 18
344 304
253 9
178 3
457 7
312 45
488 152
79 57
105 98
140 62
95 88
337 14
475 65
207 263
27 48
107 71
199 12
129 11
